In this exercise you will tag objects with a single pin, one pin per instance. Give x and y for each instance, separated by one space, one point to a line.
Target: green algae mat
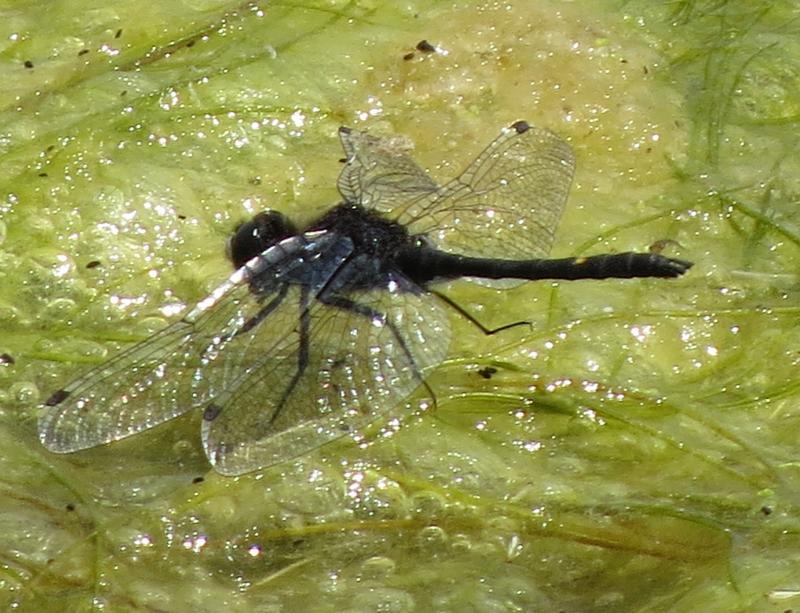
633 449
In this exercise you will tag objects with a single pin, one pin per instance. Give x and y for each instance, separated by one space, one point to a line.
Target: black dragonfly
319 331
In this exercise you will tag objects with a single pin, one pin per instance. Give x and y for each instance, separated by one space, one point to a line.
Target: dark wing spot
212 412
198 479
6 358
425 47
57 398
521 126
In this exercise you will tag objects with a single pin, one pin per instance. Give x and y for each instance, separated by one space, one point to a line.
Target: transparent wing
135 390
164 375
506 204
369 349
378 173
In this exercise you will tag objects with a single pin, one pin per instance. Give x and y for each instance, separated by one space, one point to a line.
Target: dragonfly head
255 236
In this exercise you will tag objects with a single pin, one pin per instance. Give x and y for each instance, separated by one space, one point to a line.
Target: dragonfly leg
302 351
213 410
264 311
472 319
347 304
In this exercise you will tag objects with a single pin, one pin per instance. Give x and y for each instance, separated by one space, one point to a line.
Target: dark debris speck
487 371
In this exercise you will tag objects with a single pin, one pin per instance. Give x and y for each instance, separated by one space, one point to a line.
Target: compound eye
257 235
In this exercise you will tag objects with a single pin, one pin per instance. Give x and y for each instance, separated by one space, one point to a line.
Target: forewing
378 173
137 389
241 344
172 371
506 204
359 366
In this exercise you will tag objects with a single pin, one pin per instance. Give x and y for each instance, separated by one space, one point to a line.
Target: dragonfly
321 330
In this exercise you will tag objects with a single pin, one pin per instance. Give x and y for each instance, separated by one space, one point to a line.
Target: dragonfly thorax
371 233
